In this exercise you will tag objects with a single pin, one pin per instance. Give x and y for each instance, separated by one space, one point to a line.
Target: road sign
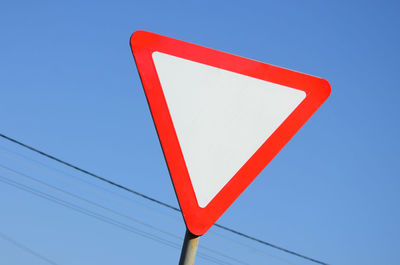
220 118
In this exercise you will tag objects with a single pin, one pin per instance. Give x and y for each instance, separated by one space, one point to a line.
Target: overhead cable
157 201
102 207
102 218
26 249
46 170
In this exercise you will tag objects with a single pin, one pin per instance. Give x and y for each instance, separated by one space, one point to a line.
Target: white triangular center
221 118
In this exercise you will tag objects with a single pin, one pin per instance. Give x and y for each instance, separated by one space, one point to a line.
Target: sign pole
189 249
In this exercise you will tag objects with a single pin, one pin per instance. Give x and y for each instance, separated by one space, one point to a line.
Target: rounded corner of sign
137 37
138 34
326 86
196 223
195 230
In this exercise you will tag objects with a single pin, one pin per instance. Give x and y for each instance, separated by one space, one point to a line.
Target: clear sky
69 86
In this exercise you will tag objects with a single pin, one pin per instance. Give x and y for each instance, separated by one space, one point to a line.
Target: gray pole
189 249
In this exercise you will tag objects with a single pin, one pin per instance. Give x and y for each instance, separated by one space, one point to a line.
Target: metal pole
189 249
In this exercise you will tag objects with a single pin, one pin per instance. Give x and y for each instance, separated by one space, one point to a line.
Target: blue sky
69 86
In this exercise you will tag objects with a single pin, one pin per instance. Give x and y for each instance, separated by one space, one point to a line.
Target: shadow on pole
189 249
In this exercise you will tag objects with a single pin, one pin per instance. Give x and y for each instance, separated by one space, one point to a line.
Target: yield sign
220 118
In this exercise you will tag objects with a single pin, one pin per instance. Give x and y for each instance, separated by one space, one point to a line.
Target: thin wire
27 249
253 249
82 210
102 218
90 186
90 173
157 201
33 166
17 173
269 244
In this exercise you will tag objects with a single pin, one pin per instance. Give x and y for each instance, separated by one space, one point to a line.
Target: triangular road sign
220 118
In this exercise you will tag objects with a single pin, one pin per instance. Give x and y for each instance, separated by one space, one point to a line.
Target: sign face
220 118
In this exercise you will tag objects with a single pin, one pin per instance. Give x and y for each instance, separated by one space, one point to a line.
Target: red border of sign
198 220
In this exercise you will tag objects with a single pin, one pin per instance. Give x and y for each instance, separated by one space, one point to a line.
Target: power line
48 170
254 250
84 211
17 173
269 244
101 217
155 200
26 249
90 173
91 185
